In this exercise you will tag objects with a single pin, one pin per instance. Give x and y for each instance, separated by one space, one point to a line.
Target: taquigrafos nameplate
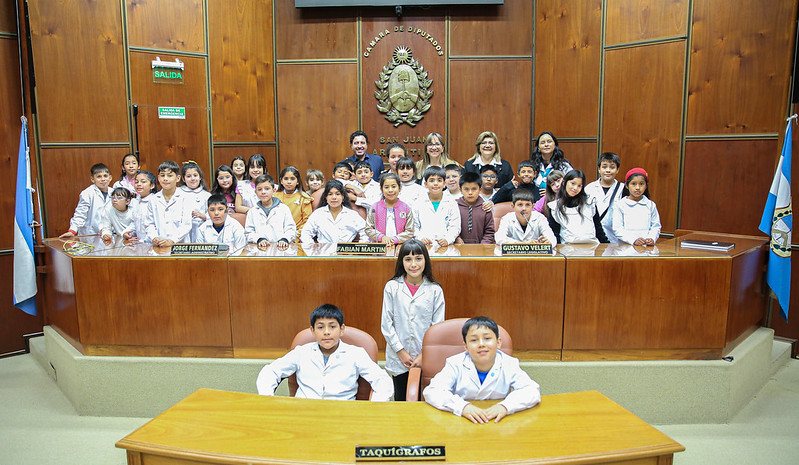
392 453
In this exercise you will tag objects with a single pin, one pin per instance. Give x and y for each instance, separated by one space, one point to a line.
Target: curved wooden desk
605 302
234 428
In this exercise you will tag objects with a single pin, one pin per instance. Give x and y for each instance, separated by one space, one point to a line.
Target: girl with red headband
636 219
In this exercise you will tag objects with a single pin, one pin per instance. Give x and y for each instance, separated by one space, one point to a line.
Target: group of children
412 302
445 205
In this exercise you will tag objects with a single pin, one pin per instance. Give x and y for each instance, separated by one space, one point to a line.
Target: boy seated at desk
327 368
524 224
220 228
482 373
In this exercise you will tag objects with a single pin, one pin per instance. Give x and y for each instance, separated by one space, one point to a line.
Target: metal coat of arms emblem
404 90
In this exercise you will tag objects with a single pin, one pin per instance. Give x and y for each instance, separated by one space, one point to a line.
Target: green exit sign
171 112
169 76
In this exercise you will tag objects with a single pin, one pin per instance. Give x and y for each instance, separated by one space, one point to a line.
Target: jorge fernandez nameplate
195 249
360 248
404 453
526 249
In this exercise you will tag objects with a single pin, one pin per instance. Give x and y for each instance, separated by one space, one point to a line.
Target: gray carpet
38 425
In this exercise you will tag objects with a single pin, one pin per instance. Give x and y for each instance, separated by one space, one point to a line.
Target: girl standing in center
412 302
573 216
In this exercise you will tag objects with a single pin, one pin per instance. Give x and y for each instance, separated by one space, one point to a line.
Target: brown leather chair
500 209
442 340
353 336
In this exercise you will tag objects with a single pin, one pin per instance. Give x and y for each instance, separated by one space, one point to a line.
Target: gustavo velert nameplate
195 249
360 248
404 453
526 249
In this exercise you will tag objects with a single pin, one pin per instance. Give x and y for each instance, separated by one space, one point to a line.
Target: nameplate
360 248
392 453
195 249
526 249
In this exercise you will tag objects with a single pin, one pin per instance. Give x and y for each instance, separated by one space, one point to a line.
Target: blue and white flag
777 222
24 265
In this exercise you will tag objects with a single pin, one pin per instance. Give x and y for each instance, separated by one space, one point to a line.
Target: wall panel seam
642 43
167 51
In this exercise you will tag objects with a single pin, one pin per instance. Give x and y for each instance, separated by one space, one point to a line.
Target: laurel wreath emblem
403 55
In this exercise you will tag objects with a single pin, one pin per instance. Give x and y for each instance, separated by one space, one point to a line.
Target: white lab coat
278 225
457 383
325 229
405 318
510 230
169 219
232 234
633 220
338 379
444 223
88 217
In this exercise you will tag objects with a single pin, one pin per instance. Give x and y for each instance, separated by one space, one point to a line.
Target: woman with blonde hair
487 153
435 154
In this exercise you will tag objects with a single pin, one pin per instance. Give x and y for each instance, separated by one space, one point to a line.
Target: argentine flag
777 222
24 265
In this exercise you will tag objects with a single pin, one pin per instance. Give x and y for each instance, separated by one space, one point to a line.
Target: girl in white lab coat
412 302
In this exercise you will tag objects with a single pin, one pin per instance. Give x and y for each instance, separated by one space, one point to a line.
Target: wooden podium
220 427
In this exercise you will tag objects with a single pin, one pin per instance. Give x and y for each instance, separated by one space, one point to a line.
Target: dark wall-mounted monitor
319 3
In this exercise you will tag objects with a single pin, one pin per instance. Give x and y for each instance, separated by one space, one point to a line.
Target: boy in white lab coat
93 200
482 373
220 228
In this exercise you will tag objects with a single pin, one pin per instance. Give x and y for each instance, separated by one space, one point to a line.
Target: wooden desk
605 302
661 302
234 428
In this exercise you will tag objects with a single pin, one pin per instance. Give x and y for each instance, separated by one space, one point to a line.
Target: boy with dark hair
92 203
220 228
342 171
606 191
328 368
482 373
436 218
168 217
524 224
270 220
524 179
363 190
477 225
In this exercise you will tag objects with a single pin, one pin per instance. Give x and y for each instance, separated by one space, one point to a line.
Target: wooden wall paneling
242 69
425 36
176 25
317 112
582 156
171 139
740 66
10 124
725 184
636 20
225 153
66 172
483 30
315 33
15 322
481 101
568 48
8 17
163 316
648 133
686 306
80 71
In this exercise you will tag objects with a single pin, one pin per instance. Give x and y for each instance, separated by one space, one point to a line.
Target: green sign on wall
171 112
169 76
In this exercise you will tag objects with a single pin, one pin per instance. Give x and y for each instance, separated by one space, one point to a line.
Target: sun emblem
403 55
403 89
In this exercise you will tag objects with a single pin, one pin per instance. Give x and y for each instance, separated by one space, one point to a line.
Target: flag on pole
777 222
24 264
